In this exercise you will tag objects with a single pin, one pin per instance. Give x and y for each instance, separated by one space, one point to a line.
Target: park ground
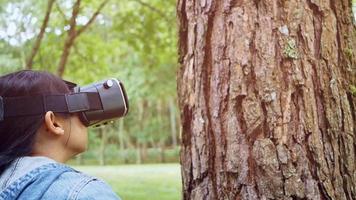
139 182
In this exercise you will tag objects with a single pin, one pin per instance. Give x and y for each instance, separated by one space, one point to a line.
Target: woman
33 148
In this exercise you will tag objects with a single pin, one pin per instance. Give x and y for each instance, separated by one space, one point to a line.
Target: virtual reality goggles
96 104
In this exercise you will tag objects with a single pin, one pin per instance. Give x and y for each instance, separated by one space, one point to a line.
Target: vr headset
96 104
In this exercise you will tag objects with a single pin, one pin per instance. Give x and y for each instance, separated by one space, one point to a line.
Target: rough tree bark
266 108
39 38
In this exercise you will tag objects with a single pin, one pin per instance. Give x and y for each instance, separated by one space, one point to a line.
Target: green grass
140 182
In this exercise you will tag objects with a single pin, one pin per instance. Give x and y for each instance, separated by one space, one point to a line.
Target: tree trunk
103 136
162 134
39 38
161 147
65 54
141 118
73 33
23 58
121 132
138 153
69 41
144 151
266 108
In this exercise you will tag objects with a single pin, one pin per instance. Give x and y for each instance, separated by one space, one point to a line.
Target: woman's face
77 135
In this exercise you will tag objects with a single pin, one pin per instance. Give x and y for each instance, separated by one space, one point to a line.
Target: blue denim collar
35 183
43 178
21 167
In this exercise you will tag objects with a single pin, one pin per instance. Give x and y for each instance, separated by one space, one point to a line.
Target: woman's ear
53 124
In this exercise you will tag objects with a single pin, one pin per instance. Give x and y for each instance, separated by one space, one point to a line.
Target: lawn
140 182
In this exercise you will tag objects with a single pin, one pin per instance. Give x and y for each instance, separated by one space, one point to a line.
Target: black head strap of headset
36 105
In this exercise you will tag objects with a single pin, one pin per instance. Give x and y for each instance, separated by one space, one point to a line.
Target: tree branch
37 43
73 33
61 12
69 40
72 21
92 19
154 9
82 56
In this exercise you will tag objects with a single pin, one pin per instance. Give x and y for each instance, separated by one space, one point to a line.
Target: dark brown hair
17 134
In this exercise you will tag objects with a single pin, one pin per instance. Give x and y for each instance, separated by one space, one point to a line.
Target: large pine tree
266 92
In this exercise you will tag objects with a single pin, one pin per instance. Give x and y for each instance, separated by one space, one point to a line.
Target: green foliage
114 156
291 49
348 52
353 90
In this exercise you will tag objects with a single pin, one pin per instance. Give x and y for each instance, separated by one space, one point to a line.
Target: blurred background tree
85 41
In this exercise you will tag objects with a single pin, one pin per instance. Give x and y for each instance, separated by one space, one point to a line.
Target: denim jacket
32 178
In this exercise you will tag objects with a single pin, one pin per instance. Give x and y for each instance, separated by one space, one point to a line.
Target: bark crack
338 39
207 77
183 30
317 20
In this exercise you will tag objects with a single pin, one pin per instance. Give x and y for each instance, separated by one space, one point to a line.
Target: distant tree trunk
144 151
173 122
39 38
162 132
65 53
162 148
69 41
103 137
138 153
121 132
141 118
23 58
266 108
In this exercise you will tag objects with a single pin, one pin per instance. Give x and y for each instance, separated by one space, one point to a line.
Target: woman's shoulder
52 180
78 185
